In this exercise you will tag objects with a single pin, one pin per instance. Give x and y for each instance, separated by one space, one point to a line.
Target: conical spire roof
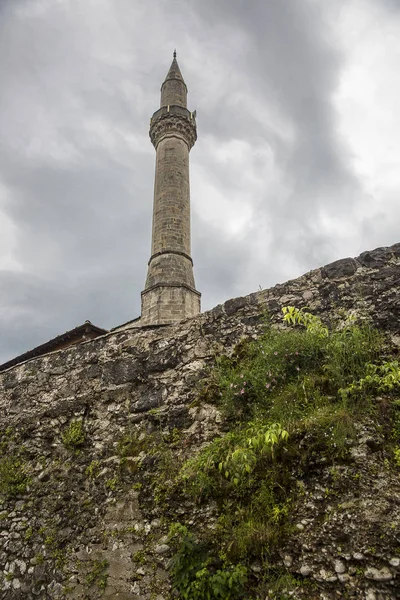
173 89
174 71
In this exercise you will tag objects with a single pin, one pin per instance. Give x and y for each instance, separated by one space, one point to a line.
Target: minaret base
163 304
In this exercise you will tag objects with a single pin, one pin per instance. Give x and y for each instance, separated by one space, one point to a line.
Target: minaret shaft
170 295
171 215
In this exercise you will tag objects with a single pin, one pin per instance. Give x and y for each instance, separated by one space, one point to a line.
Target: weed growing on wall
297 364
74 435
98 574
291 396
190 569
13 476
13 479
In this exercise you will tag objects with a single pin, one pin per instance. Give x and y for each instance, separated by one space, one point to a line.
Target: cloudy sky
296 163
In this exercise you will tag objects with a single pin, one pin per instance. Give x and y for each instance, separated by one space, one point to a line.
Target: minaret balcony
173 120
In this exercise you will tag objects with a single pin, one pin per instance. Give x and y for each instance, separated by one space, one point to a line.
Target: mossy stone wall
82 524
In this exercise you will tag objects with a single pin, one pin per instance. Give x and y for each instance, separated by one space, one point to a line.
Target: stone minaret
170 294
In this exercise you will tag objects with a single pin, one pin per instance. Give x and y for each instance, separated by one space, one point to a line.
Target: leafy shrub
254 524
289 398
230 459
348 353
260 441
288 374
272 362
195 577
313 324
200 475
378 378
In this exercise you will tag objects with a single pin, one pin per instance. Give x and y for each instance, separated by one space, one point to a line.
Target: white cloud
367 101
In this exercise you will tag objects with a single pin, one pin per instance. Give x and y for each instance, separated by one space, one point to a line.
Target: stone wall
68 530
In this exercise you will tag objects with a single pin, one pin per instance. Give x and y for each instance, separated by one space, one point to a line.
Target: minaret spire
173 89
170 294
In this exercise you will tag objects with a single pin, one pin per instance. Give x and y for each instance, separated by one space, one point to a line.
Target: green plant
98 574
233 457
134 442
112 483
278 584
13 479
59 557
195 578
93 469
260 440
49 540
166 467
200 475
139 557
246 387
396 453
174 436
313 324
348 352
256 521
6 437
283 412
74 435
378 378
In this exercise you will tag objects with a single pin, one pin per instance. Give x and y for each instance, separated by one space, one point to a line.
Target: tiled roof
77 332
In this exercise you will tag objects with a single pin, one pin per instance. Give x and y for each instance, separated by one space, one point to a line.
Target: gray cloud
291 67
391 5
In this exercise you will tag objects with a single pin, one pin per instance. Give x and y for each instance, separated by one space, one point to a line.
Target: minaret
170 294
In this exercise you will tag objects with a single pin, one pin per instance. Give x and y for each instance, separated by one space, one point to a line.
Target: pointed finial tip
174 53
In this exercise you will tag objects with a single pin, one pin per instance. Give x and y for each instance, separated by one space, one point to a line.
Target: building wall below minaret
168 304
